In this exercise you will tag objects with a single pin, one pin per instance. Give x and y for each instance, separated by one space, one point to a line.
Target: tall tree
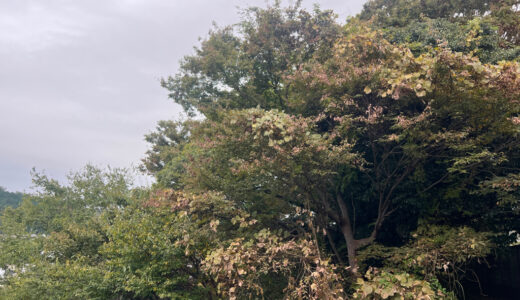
415 130
243 66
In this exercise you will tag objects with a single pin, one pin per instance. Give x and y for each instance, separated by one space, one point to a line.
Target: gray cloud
79 80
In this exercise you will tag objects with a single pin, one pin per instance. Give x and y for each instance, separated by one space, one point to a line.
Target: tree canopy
9 199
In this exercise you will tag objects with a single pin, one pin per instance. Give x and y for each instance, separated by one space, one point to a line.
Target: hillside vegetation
9 199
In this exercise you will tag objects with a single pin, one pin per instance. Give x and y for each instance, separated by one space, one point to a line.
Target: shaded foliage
9 199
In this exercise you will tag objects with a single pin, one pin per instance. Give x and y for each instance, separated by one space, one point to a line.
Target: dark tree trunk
348 234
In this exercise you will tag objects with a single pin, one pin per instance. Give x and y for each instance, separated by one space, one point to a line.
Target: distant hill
9 199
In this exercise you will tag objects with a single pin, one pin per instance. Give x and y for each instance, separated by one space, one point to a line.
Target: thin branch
333 246
435 183
331 213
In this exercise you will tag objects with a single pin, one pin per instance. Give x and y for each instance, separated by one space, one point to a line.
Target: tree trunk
346 228
348 234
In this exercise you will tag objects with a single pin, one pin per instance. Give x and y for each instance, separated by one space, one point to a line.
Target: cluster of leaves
50 243
241 268
445 249
382 284
436 253
243 66
488 29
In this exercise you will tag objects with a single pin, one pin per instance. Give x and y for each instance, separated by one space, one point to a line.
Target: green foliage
50 243
165 159
382 284
434 250
69 280
385 122
402 12
488 29
436 253
54 206
479 36
9 199
142 257
243 66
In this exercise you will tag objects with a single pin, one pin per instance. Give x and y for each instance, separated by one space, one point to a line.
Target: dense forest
9 199
372 158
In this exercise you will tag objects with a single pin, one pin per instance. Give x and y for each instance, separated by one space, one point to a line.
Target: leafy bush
384 284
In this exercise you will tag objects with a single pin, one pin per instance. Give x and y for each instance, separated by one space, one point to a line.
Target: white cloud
32 26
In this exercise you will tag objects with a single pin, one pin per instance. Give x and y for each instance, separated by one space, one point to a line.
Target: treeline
374 159
9 199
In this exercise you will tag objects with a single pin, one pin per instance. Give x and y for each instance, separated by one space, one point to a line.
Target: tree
50 244
373 135
243 66
165 159
489 29
387 116
410 113
9 199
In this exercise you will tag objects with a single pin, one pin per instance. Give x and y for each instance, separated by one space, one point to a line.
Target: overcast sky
79 80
